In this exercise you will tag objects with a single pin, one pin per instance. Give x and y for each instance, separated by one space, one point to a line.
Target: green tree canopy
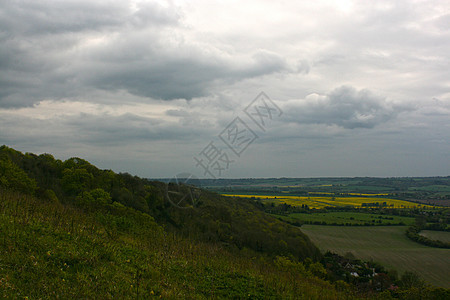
13 177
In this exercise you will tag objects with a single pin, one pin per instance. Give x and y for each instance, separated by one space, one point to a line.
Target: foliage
413 233
12 177
50 250
93 199
233 222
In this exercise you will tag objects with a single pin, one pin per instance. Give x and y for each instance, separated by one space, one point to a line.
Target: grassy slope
48 250
386 245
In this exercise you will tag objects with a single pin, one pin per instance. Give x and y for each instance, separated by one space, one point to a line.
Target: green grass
387 245
51 251
367 188
443 236
432 188
350 218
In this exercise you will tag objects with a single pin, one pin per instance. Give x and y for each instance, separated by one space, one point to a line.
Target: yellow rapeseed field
321 202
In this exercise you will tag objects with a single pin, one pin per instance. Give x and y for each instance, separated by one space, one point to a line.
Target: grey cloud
263 62
345 107
434 108
118 54
303 67
177 113
128 128
152 13
65 49
95 130
51 17
157 77
172 76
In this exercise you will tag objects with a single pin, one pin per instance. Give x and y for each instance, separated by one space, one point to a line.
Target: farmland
387 245
357 216
425 190
443 236
318 202
347 218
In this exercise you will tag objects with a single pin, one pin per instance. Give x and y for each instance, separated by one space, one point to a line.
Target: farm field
354 218
443 236
387 245
426 190
324 201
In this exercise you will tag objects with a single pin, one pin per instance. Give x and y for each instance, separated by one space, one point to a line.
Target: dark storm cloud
345 107
158 76
60 50
37 39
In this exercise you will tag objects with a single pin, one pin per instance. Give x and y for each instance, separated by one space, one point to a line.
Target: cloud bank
143 86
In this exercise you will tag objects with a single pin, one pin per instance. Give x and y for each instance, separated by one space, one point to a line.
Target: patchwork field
348 218
387 245
324 201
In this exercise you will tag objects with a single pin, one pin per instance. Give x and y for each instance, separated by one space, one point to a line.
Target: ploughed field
387 245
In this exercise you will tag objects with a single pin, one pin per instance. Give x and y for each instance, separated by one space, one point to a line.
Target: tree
75 181
13 177
93 199
410 279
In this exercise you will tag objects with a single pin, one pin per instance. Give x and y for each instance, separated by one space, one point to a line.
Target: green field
443 236
387 245
354 218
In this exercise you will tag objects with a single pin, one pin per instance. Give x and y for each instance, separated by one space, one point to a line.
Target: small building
354 274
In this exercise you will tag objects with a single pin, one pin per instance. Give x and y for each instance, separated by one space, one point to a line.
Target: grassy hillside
387 245
49 250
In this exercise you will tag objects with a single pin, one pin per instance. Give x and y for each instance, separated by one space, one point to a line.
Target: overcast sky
358 88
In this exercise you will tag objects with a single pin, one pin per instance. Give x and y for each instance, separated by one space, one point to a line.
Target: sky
158 88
